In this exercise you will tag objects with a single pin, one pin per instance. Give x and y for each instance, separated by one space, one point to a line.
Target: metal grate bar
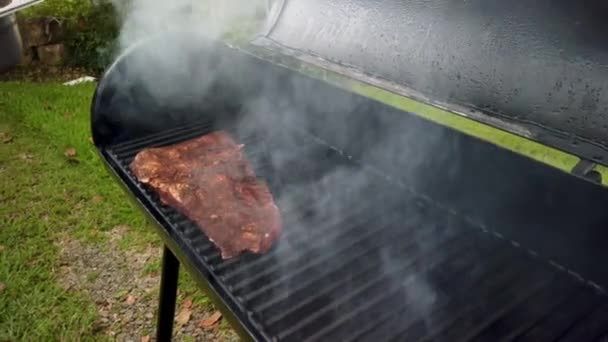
575 309
475 318
590 329
526 315
374 309
369 266
297 237
352 265
305 226
444 317
130 148
453 278
443 250
300 280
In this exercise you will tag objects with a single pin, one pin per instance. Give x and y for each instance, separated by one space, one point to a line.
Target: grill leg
168 296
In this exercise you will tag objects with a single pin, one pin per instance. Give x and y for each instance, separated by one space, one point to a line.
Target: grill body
395 228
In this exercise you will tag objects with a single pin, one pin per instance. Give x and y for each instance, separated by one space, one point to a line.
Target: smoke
142 19
170 37
319 186
319 143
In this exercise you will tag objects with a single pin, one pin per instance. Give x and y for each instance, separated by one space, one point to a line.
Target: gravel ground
125 295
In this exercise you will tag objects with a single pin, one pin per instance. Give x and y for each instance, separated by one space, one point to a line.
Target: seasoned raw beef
209 180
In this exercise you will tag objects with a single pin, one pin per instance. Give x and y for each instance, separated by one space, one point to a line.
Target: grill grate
387 268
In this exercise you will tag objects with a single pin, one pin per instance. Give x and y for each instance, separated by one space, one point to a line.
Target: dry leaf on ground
211 321
130 300
187 303
2 287
183 317
105 305
5 138
145 338
26 156
97 199
70 152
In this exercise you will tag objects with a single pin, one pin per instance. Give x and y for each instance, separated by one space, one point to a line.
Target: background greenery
91 29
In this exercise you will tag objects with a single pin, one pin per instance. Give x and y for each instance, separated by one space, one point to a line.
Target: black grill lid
538 69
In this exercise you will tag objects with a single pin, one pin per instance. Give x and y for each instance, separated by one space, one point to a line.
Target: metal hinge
586 169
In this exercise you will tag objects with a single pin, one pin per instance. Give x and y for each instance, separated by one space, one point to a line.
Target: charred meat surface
209 180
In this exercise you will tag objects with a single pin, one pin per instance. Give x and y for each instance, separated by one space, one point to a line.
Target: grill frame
106 135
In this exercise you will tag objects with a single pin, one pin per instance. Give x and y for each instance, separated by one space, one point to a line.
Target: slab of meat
209 180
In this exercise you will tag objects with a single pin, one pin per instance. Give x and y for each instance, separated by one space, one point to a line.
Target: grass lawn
44 196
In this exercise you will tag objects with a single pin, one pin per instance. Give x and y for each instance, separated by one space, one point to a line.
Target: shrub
91 39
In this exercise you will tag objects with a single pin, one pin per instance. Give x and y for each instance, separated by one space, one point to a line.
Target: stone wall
42 41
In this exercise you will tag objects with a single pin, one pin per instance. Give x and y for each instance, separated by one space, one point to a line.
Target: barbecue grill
396 228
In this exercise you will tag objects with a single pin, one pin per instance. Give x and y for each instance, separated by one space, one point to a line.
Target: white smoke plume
143 19
173 72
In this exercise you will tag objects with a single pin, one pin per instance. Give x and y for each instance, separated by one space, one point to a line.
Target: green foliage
91 29
48 198
91 39
63 9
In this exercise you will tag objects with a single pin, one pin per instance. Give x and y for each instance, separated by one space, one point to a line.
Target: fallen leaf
26 156
5 138
130 300
183 317
145 338
97 199
105 305
2 287
187 303
70 152
211 321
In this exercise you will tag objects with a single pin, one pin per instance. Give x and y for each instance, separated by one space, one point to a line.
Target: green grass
45 196
58 116
37 200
